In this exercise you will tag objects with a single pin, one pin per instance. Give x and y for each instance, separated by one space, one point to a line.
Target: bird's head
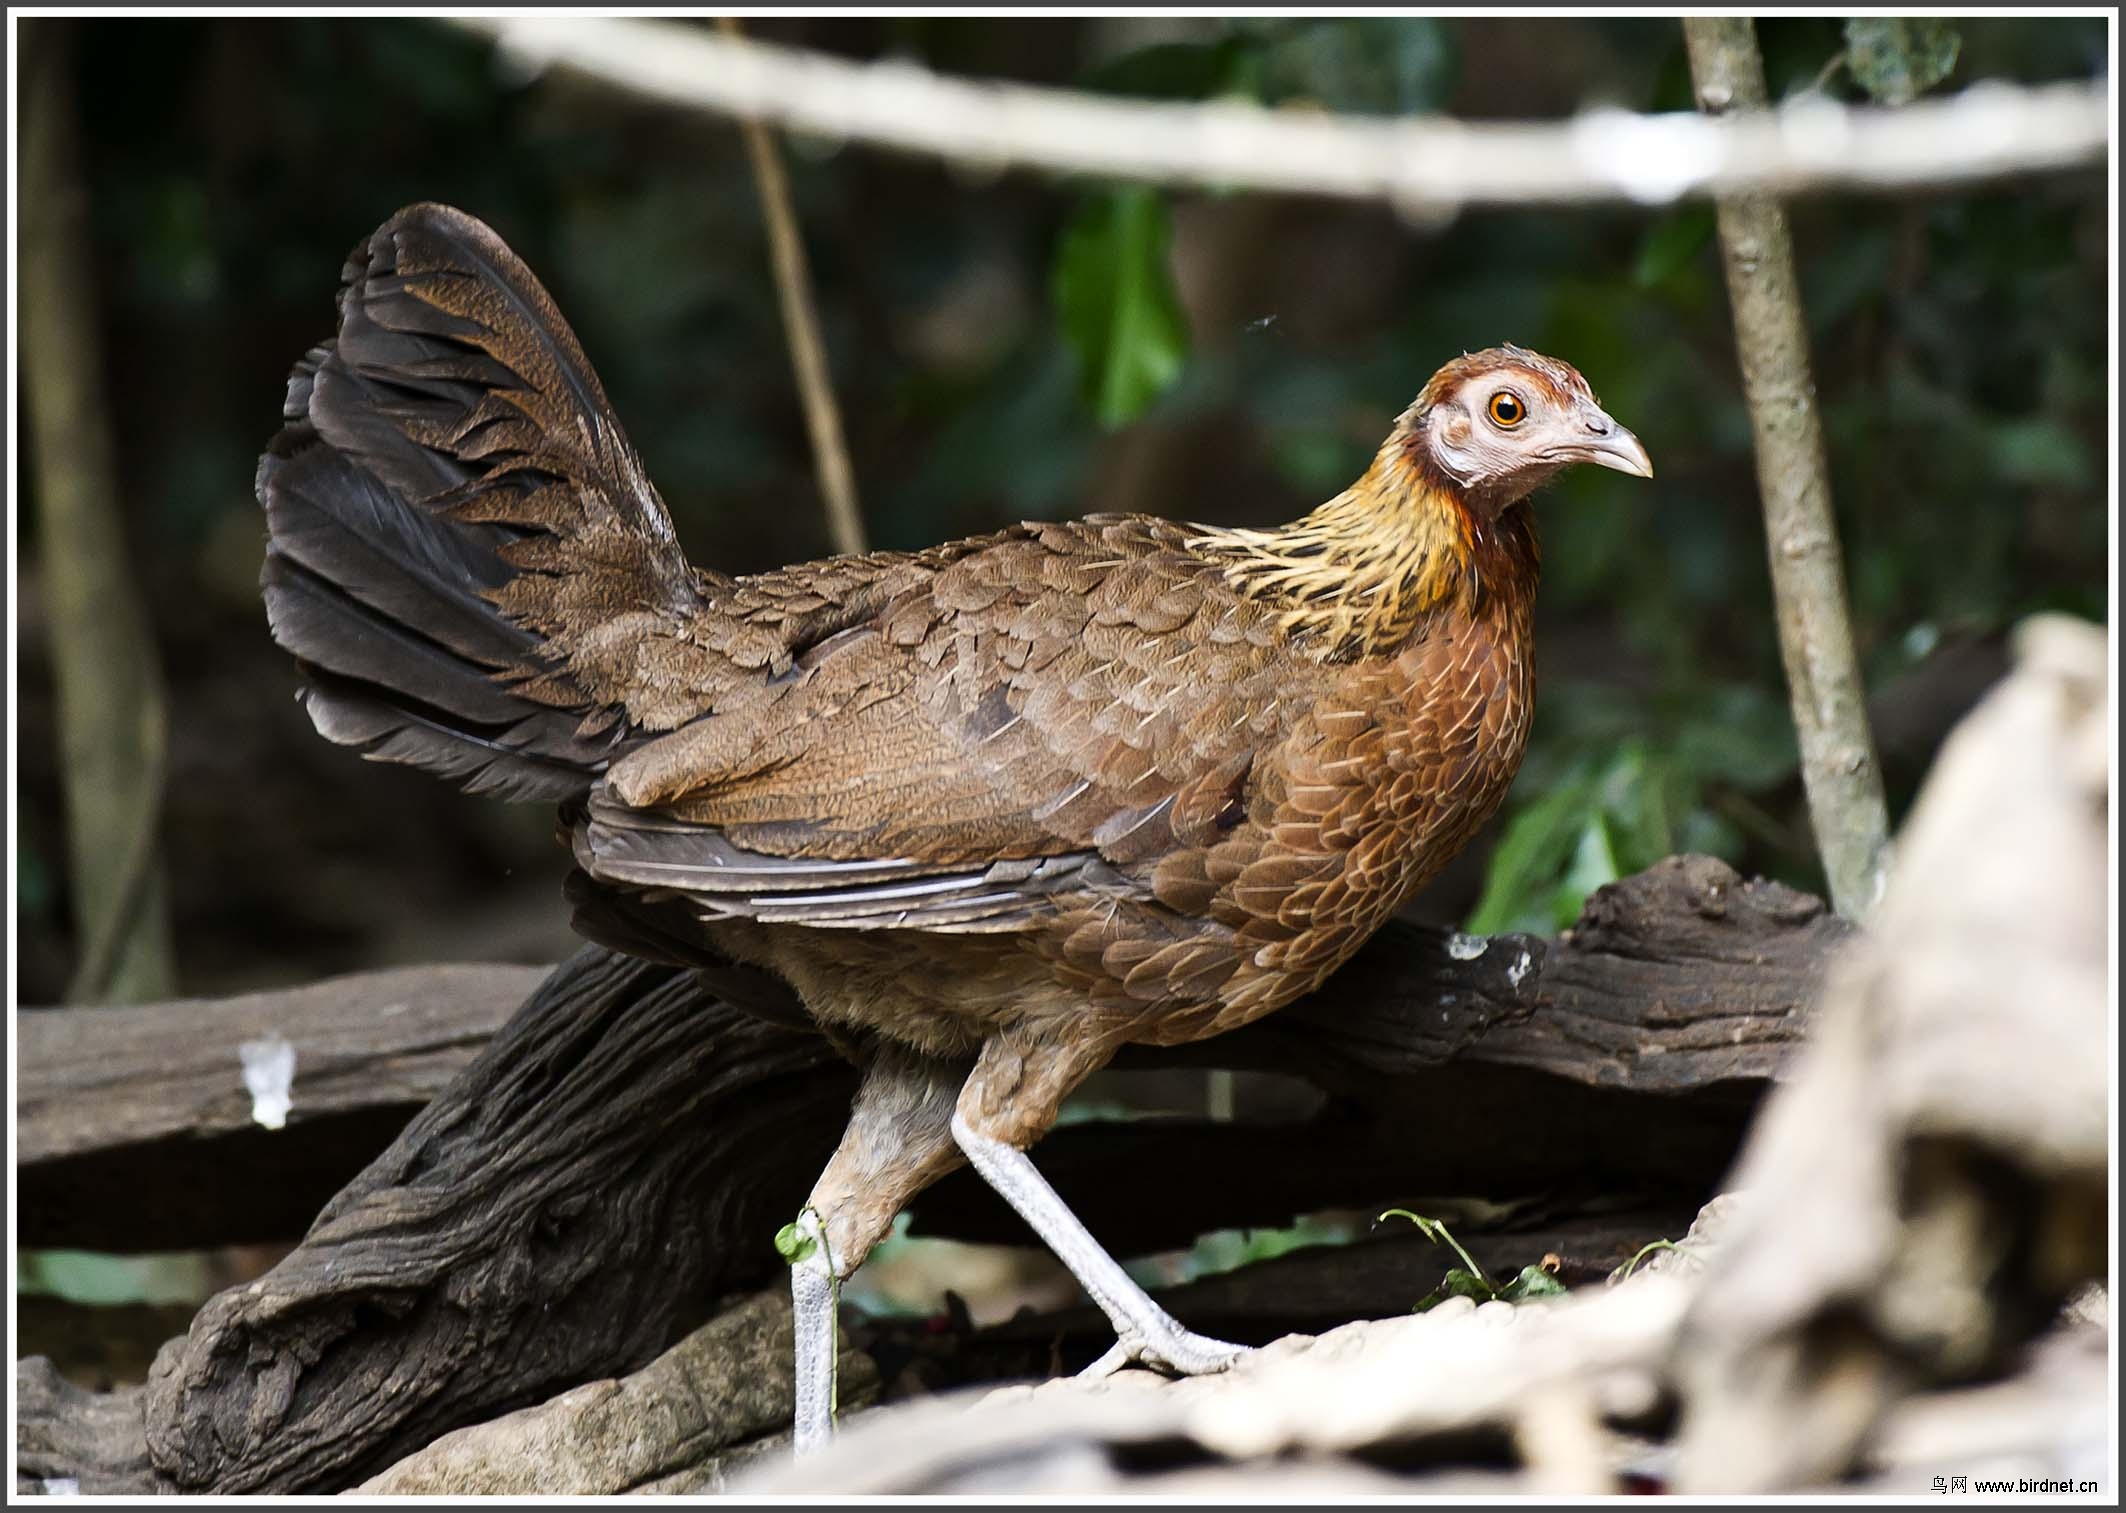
1495 425
1428 524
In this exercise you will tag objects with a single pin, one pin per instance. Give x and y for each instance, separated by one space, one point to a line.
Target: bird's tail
465 554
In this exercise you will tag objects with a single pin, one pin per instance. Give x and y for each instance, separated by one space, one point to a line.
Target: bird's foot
813 1297
1172 1350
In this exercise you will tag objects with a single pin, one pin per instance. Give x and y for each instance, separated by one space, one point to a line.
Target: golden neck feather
1359 574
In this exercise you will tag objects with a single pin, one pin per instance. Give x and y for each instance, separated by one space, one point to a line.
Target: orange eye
1507 409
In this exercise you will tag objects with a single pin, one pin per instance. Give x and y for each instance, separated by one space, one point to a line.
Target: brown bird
994 809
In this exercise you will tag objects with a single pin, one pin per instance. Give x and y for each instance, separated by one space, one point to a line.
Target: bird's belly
942 995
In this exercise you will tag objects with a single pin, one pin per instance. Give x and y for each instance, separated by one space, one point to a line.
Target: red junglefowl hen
993 809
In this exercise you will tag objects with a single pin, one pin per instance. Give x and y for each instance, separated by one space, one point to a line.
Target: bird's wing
1057 711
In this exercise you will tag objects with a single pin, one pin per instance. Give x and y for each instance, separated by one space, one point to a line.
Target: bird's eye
1507 409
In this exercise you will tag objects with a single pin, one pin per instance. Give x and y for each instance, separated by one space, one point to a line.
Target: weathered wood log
1934 1181
68 1434
728 1383
131 1121
1569 1398
1683 981
581 1196
717 1403
616 1158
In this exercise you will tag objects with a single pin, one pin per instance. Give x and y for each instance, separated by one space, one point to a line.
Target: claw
1118 1356
1178 1352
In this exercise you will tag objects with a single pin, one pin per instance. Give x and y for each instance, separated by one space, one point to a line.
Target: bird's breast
1388 775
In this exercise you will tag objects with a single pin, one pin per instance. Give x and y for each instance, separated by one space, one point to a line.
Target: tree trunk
1824 684
111 735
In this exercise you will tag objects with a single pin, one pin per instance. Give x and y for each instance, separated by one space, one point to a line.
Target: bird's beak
1609 445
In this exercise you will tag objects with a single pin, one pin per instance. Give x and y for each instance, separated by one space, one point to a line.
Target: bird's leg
815 1289
898 1141
1011 1098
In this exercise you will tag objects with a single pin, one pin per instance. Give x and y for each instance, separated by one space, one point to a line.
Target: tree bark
111 732
1824 685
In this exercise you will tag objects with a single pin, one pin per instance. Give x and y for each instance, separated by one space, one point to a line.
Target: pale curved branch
808 350
1425 165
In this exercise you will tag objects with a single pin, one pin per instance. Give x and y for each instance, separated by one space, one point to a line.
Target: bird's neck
1360 575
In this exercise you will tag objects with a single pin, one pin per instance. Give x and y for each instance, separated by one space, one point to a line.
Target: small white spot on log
1467 947
1519 969
62 1486
269 1077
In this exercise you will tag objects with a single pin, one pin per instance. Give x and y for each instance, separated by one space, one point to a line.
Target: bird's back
1082 744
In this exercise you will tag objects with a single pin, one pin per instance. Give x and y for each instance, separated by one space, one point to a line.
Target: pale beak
1609 445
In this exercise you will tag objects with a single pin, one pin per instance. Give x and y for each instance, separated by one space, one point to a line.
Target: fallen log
1682 981
614 1161
130 1121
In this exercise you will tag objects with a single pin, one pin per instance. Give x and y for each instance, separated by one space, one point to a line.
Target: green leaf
1532 1283
1116 303
793 1245
1623 1272
1536 844
1896 59
1436 1231
1457 1283
1594 863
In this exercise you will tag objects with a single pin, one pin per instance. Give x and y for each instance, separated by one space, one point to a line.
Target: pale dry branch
1428 166
1824 684
808 352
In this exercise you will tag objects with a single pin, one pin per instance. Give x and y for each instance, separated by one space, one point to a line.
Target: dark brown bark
618 1157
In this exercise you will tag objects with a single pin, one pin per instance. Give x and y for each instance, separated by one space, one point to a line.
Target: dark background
1959 341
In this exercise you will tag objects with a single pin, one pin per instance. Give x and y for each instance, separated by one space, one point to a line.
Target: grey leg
1143 1330
898 1142
813 1289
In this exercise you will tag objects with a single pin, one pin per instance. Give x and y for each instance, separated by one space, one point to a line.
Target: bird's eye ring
1507 409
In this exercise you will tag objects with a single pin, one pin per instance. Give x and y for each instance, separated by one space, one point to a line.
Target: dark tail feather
454 514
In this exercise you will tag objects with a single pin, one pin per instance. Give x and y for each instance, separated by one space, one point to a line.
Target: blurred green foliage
1116 303
1230 1249
90 1277
1020 348
1896 59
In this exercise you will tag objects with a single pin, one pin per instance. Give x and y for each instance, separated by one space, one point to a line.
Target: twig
1829 698
1431 166
111 722
808 355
